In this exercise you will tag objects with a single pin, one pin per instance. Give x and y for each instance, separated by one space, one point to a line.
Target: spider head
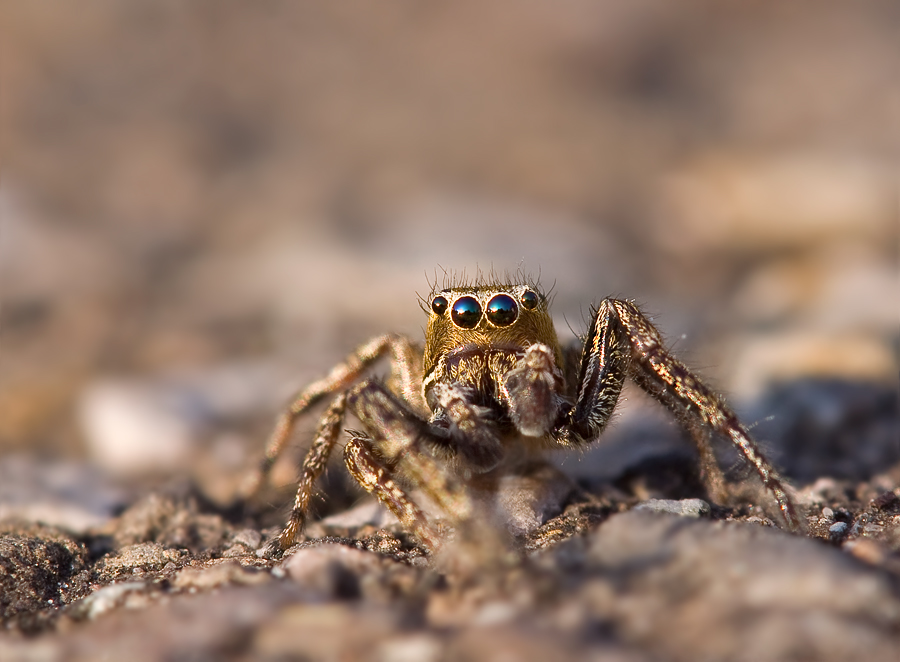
475 334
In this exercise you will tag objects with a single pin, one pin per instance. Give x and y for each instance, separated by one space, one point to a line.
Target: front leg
532 391
375 476
407 443
621 342
659 373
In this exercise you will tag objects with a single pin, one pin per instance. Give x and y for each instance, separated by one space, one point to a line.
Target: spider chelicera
494 385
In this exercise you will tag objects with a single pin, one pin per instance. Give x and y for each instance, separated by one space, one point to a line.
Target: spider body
494 386
477 357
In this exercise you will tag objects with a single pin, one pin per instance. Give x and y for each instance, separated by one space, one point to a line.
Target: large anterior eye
502 310
439 305
466 312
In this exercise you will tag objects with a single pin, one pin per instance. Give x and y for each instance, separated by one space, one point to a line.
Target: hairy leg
340 378
406 441
597 384
532 391
663 376
313 465
374 476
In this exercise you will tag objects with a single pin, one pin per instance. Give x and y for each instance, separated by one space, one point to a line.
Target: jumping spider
494 385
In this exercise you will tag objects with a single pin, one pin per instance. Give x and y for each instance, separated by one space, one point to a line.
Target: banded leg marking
313 465
672 383
340 378
372 474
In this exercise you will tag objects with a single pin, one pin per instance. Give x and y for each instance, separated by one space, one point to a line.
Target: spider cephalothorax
492 386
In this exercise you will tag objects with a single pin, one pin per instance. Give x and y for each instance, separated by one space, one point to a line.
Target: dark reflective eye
529 299
439 305
466 312
502 310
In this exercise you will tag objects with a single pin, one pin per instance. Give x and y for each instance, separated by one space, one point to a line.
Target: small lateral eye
466 312
529 299
439 305
502 310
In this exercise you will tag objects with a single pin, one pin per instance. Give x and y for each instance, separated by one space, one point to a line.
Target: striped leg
313 465
374 476
341 377
655 370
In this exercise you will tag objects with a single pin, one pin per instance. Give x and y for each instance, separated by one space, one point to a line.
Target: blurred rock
157 425
176 518
683 507
132 429
761 360
217 574
740 203
332 570
107 598
690 589
72 495
834 289
38 570
828 427
367 513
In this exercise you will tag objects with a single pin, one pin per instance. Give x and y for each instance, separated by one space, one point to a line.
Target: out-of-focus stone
133 429
156 425
760 360
71 495
830 427
106 599
682 507
367 513
330 569
323 632
172 518
410 648
693 589
38 567
738 203
218 574
142 556
866 550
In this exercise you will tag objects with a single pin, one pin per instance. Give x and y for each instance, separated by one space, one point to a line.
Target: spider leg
664 377
605 359
710 472
406 368
405 439
313 465
374 476
531 390
340 378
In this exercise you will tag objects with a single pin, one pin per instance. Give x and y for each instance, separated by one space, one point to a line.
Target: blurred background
206 204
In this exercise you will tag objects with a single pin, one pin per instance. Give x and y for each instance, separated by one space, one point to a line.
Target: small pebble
411 648
867 550
885 501
107 598
827 512
684 507
218 574
838 530
248 537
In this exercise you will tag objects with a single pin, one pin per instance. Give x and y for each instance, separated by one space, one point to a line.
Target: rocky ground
206 205
634 569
